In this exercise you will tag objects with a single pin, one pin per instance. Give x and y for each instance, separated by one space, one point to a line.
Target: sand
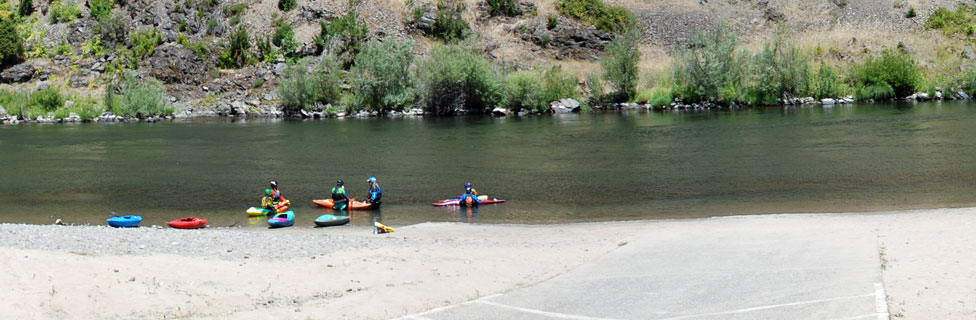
67 272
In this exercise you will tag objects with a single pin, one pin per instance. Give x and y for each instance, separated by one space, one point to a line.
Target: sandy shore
68 272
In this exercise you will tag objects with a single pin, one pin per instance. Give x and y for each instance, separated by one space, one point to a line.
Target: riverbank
85 272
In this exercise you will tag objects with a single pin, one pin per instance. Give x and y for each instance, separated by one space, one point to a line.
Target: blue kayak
326 220
284 219
124 221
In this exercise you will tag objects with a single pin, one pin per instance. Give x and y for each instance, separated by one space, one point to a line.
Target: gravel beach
94 272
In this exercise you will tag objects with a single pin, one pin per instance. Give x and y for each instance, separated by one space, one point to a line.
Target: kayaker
280 203
339 197
469 197
374 196
267 201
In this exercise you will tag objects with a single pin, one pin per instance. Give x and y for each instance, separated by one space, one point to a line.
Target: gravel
223 243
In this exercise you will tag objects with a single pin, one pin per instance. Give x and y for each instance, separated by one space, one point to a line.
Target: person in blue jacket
374 196
469 198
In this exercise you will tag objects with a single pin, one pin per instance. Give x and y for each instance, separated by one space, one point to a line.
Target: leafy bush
144 42
660 97
139 97
86 109
456 76
16 103
911 13
708 68
284 39
778 70
100 9
826 83
556 85
266 52
235 9
551 22
607 18
60 12
300 90
212 26
26 8
234 20
237 46
952 22
11 43
111 31
342 37
380 77
522 89
892 69
620 64
594 89
48 99
450 24
503 8
286 5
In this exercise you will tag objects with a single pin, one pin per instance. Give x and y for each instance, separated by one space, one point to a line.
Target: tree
381 75
620 64
11 43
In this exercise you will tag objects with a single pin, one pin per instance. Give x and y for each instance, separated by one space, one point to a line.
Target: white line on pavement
544 313
770 307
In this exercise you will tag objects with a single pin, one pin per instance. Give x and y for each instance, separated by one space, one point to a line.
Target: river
551 169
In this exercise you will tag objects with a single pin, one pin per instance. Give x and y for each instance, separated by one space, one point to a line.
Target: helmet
467 189
467 184
371 179
339 182
267 192
274 184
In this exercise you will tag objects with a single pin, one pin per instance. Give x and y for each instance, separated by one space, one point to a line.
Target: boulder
839 3
827 101
77 82
922 96
238 108
172 63
968 53
19 73
501 112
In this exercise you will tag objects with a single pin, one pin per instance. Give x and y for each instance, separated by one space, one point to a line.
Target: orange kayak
354 205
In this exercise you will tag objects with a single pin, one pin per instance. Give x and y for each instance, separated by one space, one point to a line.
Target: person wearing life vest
340 200
280 203
374 196
267 201
469 198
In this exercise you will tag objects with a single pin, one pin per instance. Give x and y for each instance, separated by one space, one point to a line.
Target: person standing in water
340 200
374 196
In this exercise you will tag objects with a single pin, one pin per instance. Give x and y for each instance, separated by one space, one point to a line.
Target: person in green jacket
340 200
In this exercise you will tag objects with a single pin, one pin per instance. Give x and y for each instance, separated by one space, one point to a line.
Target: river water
551 169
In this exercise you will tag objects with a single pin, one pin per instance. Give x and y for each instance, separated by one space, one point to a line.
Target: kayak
284 219
257 212
354 205
454 202
326 220
124 221
188 223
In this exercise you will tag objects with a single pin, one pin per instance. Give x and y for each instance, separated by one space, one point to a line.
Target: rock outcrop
19 73
568 38
172 63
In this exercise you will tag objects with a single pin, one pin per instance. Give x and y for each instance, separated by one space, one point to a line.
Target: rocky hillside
62 49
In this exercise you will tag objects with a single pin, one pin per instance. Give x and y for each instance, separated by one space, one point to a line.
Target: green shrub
507 8
234 20
286 5
456 76
140 97
266 52
594 89
60 12
258 82
300 89
112 31
594 12
342 37
238 44
235 9
523 91
660 97
17 103
826 83
63 49
892 69
551 21
26 8
212 25
144 42
101 9
556 85
881 91
450 24
778 70
48 99
182 26
11 43
86 109
952 22
620 64
380 77
708 68
284 39
911 13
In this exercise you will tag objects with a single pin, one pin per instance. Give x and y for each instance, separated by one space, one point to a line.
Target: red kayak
454 202
354 205
188 223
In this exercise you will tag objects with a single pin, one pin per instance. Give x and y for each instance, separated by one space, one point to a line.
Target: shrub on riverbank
457 76
708 68
450 25
301 88
380 77
779 70
137 97
620 65
893 74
